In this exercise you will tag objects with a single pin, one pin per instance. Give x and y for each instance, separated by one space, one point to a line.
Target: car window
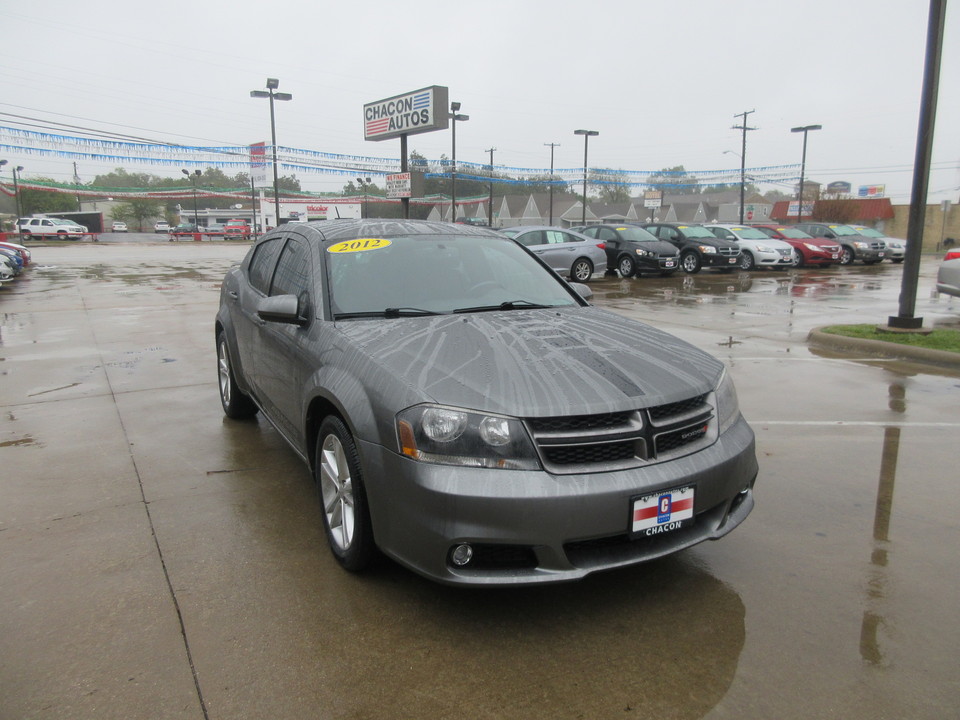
633 233
292 276
262 264
555 237
436 274
591 232
696 231
607 234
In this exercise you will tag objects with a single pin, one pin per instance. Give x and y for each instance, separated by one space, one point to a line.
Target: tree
674 181
45 201
137 210
841 210
612 186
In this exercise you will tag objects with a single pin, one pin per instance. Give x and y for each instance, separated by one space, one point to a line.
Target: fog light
462 554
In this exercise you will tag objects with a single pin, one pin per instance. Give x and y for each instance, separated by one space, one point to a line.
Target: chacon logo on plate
359 245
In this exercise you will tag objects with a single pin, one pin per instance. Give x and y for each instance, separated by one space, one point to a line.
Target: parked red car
808 249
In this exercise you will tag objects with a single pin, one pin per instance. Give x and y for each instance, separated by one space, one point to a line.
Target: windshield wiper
508 305
385 313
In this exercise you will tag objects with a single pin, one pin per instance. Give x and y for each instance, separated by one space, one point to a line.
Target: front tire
626 266
690 263
236 404
746 261
346 518
798 259
846 256
581 271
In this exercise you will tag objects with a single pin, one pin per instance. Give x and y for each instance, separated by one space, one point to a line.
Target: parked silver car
948 278
467 412
757 249
568 253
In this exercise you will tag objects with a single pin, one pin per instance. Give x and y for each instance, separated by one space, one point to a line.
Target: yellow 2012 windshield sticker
359 245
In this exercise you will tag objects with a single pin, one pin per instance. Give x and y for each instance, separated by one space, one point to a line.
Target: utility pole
743 155
551 146
490 200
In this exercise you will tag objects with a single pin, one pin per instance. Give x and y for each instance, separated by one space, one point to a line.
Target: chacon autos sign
415 112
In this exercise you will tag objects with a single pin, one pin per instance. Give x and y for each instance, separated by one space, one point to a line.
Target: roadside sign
399 186
415 112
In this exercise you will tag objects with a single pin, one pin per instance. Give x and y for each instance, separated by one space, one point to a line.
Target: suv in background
896 248
853 245
47 227
236 229
809 250
757 250
698 246
631 250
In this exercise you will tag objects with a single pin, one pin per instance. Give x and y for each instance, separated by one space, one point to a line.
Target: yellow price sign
359 245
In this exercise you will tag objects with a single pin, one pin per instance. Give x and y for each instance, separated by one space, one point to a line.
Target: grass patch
948 340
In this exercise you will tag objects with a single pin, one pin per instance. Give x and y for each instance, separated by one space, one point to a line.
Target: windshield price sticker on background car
361 245
662 512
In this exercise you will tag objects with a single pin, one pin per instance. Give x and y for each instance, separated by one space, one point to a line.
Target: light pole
454 116
194 176
273 84
552 146
803 165
16 189
363 185
743 156
587 134
490 189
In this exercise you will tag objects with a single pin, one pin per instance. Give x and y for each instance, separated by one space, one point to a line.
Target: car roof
351 229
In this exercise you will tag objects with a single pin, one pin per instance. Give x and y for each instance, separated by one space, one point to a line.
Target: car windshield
748 233
420 275
869 232
696 231
843 230
637 234
794 234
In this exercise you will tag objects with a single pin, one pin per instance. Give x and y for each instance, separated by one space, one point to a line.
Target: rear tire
236 404
346 518
581 271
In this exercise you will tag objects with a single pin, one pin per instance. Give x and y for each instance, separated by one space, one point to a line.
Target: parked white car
47 227
162 226
757 250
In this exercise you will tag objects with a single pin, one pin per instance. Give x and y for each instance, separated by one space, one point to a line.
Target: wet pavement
159 561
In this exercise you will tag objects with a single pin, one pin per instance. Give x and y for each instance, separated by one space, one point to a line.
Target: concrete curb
881 348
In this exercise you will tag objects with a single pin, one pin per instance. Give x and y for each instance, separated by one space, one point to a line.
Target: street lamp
273 84
803 164
194 176
454 116
552 146
364 183
16 189
587 134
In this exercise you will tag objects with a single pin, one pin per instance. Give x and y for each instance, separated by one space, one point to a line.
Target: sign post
420 111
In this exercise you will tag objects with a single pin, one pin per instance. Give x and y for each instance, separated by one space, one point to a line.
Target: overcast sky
661 80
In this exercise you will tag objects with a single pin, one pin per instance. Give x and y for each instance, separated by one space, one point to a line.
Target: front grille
729 252
878 245
613 441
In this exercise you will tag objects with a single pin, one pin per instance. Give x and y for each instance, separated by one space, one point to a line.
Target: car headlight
451 436
861 245
765 248
728 408
708 249
895 246
812 248
642 253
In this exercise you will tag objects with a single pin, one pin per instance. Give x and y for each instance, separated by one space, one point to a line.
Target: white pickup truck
30 227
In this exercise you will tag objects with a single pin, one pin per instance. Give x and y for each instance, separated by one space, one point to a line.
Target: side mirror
582 290
281 309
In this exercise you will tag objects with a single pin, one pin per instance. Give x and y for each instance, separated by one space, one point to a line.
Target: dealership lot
157 560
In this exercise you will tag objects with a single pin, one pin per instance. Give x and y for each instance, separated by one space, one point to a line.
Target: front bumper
534 527
719 261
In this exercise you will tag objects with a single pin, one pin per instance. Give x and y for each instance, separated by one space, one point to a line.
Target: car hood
533 363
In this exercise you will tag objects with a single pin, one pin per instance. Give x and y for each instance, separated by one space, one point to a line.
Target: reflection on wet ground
158 560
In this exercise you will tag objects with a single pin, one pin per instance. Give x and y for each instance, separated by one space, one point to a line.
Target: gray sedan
465 411
568 253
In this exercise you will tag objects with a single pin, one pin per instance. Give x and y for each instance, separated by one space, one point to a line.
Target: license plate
880 254
668 263
835 256
661 512
732 260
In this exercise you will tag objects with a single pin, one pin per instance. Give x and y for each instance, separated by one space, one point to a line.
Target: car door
612 244
281 364
559 252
